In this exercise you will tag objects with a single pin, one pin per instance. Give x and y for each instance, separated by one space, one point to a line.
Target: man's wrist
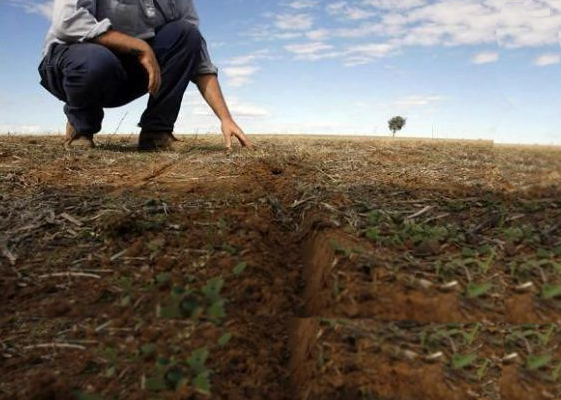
136 52
139 47
226 118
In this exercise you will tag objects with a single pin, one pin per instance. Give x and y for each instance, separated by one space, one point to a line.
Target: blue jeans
89 77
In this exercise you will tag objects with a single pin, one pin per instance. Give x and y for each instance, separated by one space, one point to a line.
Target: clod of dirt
427 248
48 387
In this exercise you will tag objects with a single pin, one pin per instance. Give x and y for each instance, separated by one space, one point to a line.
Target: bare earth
312 268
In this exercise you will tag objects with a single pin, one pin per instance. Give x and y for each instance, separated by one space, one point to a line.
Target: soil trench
373 374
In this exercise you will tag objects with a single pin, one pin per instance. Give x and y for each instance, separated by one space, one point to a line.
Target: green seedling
112 356
212 289
471 335
514 235
339 249
485 266
229 249
550 292
163 278
486 249
543 254
126 285
240 268
475 290
333 323
172 374
376 217
482 368
194 304
556 372
201 383
373 233
86 396
532 206
217 311
418 233
461 361
156 245
198 359
546 337
148 349
457 205
224 339
533 330
190 306
156 383
535 362
335 287
222 224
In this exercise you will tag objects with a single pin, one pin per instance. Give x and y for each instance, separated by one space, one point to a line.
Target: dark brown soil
111 260
358 359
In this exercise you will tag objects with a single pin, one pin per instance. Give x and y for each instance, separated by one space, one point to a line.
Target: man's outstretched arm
210 89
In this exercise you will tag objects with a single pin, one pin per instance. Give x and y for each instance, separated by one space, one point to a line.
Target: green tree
396 124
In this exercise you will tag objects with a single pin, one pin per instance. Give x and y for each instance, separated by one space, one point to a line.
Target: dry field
312 268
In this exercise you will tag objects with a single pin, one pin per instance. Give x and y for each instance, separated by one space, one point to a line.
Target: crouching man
107 53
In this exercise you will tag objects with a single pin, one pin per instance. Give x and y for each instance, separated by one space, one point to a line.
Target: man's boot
156 141
72 135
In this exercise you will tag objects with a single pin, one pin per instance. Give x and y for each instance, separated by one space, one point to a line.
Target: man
106 53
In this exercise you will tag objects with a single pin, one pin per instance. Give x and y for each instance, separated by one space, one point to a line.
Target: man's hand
210 89
148 60
230 129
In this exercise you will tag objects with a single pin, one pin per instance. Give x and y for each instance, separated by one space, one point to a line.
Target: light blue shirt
76 21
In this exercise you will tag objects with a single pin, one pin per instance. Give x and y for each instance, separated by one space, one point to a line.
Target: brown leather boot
72 135
156 141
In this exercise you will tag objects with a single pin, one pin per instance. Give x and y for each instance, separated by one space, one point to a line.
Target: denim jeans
89 77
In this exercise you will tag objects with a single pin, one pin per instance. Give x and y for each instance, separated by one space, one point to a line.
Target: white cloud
417 101
43 8
395 4
245 59
302 4
352 55
318 34
547 59
485 57
354 13
313 51
195 107
528 25
197 117
365 53
443 23
294 22
22 129
345 11
240 75
241 69
248 110
286 35
308 48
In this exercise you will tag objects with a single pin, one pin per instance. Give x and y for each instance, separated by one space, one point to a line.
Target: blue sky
455 68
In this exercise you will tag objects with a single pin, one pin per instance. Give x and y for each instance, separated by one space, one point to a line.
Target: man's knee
93 66
188 35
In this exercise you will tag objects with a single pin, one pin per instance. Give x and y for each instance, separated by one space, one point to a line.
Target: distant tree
396 124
